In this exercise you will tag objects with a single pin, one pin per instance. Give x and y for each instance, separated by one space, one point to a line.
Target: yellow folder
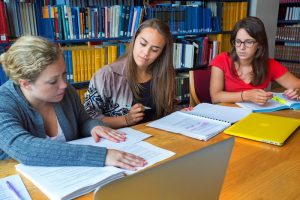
264 128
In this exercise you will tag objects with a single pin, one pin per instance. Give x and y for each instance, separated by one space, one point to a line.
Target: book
19 189
203 122
3 24
264 128
69 182
278 102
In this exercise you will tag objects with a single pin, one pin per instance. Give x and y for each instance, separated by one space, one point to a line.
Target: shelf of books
96 33
287 48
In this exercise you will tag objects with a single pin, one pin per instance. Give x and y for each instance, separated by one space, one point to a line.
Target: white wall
267 11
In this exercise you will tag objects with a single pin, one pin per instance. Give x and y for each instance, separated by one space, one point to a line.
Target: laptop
197 175
264 128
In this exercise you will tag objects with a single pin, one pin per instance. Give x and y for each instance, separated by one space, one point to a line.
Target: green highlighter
279 100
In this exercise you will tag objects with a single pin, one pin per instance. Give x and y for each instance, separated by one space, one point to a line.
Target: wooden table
256 170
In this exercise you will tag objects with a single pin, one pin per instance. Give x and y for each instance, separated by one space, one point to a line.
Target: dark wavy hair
256 29
162 70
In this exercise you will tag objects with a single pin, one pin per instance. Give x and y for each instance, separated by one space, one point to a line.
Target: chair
199 86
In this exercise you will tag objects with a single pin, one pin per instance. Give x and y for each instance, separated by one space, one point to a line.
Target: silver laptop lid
195 176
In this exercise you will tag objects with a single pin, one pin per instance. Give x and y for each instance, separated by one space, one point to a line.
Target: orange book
89 63
114 50
97 61
81 66
74 65
103 53
92 61
244 7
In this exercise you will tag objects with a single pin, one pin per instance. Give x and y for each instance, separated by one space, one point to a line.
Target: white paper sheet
16 181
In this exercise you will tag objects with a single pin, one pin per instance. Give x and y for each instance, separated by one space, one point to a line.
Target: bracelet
127 124
242 96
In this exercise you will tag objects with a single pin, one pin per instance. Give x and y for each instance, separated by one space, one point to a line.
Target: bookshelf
201 38
85 27
287 46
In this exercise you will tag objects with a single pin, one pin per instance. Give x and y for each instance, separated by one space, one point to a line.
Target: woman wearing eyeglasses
245 72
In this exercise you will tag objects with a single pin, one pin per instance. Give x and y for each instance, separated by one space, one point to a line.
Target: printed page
152 154
190 125
60 182
71 182
132 136
224 113
16 181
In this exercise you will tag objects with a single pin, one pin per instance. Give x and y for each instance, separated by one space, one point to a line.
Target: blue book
3 77
67 65
138 17
45 27
278 102
130 21
70 66
75 22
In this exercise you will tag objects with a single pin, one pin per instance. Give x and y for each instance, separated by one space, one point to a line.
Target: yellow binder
264 128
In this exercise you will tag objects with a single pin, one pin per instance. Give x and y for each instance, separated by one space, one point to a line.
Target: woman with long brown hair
245 72
139 86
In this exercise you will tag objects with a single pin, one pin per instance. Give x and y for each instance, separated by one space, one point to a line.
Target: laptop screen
197 175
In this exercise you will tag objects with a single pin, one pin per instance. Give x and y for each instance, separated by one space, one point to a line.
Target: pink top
235 84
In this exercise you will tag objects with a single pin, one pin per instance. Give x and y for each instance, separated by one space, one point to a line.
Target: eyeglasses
247 43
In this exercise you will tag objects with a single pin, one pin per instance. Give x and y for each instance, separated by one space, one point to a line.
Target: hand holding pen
136 114
258 96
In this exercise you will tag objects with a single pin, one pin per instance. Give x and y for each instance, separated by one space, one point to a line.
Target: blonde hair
28 57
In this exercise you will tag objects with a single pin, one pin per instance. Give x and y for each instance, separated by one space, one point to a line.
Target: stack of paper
71 182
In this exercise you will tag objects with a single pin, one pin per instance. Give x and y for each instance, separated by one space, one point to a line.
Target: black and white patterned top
108 93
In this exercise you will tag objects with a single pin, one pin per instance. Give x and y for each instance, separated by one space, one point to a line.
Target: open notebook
265 128
203 122
278 102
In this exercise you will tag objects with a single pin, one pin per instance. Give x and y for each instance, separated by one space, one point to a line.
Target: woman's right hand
257 96
123 160
135 114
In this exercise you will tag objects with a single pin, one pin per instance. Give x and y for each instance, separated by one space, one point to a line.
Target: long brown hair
162 70
256 29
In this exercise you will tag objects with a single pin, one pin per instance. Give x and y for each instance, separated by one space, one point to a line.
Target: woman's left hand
292 94
107 133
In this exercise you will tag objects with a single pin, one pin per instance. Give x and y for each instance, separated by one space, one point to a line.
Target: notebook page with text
71 182
190 125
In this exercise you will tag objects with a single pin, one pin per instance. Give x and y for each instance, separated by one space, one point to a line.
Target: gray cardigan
22 133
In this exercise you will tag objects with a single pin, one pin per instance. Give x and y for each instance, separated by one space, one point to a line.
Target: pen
278 99
14 190
145 107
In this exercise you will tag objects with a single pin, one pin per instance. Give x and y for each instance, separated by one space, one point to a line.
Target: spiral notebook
203 122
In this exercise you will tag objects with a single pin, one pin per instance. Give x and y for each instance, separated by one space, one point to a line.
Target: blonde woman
40 112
